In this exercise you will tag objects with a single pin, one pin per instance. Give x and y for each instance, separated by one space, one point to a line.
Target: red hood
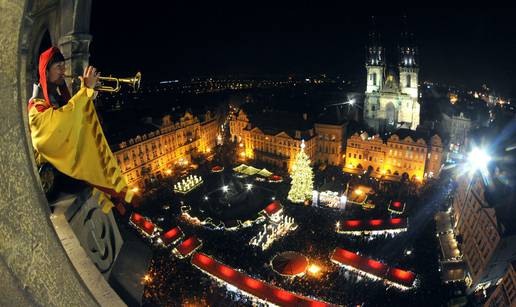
44 58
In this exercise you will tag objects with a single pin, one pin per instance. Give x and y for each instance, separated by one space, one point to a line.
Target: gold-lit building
401 153
483 218
331 136
504 294
174 143
266 141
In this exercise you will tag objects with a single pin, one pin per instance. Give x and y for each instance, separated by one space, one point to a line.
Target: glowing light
343 200
395 221
358 192
408 252
375 222
225 188
135 190
226 271
375 264
249 186
252 283
147 278
169 171
242 154
350 165
478 159
314 269
353 223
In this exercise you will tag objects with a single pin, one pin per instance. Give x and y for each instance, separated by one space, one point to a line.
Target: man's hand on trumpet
90 78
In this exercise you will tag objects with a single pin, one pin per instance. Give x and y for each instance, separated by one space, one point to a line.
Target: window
408 80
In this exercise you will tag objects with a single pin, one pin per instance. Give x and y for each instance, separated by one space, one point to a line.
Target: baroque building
175 143
402 153
275 138
391 95
483 221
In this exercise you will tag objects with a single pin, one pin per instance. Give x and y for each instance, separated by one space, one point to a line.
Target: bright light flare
478 159
225 188
147 278
314 269
249 186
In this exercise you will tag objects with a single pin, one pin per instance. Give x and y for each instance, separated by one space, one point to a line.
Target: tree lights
302 178
188 184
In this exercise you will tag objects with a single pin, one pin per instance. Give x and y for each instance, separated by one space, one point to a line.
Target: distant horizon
463 47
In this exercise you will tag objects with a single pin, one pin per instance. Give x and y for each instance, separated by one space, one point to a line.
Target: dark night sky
458 46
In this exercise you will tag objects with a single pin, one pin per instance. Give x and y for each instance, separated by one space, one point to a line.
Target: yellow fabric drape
72 140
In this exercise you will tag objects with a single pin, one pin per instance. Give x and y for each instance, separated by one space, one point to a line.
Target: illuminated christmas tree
302 178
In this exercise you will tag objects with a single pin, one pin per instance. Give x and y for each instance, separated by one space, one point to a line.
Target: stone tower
408 72
391 97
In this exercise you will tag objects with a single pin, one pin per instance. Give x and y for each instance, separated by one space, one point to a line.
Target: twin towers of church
391 96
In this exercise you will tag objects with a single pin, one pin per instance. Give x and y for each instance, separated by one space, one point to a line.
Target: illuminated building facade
456 127
158 152
402 152
276 138
391 96
330 142
483 219
504 294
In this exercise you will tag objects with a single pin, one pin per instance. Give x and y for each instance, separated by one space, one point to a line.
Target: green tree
302 178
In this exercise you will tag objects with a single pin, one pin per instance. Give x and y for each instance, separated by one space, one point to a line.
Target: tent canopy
289 263
250 170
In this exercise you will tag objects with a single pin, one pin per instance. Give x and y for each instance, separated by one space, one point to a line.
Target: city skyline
462 48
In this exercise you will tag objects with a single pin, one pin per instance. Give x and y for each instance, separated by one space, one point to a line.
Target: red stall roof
402 277
171 235
251 285
373 267
142 223
188 246
273 207
396 206
346 257
374 224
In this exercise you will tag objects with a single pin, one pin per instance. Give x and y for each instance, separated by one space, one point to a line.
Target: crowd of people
177 282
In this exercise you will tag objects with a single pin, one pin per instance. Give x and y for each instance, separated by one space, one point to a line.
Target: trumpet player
66 132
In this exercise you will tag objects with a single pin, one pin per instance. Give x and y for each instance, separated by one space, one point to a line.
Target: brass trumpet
134 82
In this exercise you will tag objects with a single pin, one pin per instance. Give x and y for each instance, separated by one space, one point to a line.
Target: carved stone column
76 51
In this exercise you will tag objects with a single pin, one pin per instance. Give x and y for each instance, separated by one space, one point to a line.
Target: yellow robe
71 139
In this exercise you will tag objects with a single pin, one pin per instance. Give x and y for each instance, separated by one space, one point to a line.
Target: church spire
407 47
375 53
